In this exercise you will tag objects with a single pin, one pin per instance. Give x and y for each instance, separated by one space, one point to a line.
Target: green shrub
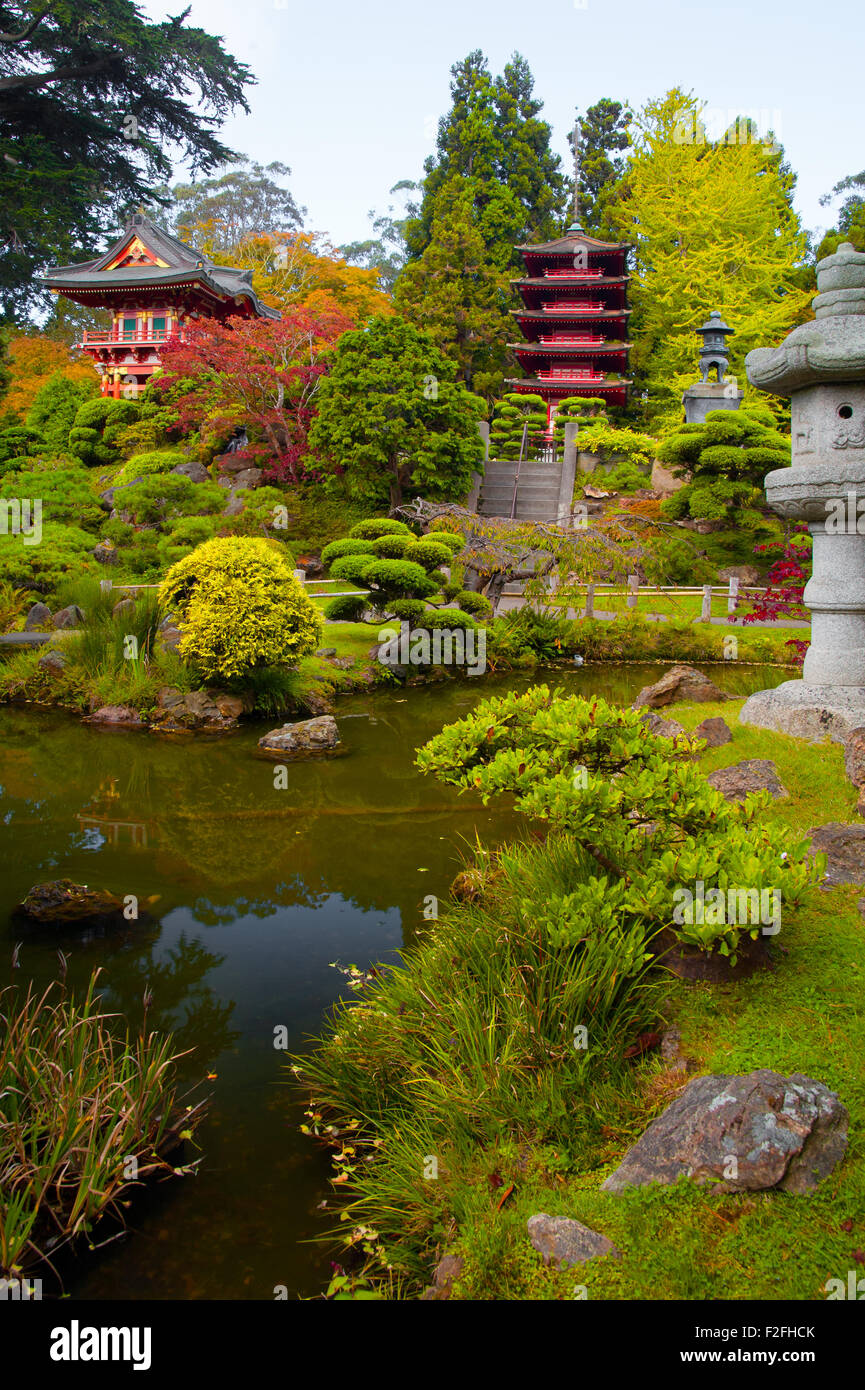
396 579
449 618
391 547
347 608
20 441
351 567
347 546
408 610
63 550
55 406
476 604
374 527
64 491
144 465
184 536
455 541
240 607
95 434
429 554
165 497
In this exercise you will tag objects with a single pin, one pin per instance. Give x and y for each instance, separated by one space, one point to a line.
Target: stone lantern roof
829 348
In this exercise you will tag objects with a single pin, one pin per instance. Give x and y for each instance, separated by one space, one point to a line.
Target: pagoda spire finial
575 225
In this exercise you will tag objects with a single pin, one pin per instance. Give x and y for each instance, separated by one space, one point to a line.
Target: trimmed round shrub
19 441
391 547
450 591
397 578
347 546
240 608
428 553
408 610
95 436
142 465
477 604
448 538
450 618
373 527
345 609
351 567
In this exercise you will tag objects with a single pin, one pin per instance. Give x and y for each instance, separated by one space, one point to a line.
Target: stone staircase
537 493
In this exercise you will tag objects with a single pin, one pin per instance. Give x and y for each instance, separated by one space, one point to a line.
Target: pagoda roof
579 315
574 237
570 349
546 282
147 255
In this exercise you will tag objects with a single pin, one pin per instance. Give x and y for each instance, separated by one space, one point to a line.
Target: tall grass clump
77 1103
472 1040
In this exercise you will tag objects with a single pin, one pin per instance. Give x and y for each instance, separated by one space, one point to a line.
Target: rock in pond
752 775
741 1133
319 735
566 1241
115 717
62 903
679 684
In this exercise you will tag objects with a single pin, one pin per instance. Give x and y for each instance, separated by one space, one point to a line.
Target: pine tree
604 136
456 295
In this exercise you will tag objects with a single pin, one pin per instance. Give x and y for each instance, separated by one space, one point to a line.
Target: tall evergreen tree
456 295
493 136
604 136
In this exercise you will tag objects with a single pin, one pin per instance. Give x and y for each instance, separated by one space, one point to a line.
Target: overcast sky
349 91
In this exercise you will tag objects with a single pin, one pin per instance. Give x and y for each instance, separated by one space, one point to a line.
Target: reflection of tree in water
180 1001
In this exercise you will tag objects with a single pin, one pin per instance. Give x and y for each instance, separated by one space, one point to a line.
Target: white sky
349 91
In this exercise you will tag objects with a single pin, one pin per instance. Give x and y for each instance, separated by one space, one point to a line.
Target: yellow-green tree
714 228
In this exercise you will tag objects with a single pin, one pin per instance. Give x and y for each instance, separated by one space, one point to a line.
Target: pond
257 892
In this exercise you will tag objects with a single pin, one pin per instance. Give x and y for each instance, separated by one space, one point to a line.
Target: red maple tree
785 586
261 373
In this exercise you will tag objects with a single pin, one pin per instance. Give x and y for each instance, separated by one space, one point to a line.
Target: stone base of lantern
704 396
810 712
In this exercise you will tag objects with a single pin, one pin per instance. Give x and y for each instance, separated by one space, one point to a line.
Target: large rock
71 616
741 1133
115 717
123 605
666 728
447 1270
319 735
107 499
844 848
752 775
747 575
62 903
195 472
105 553
250 477
566 1241
211 711
679 684
715 731
233 507
39 616
53 662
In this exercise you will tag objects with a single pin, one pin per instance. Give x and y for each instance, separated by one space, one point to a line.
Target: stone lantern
821 367
706 395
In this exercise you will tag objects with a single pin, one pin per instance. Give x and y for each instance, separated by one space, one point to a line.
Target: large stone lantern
821 367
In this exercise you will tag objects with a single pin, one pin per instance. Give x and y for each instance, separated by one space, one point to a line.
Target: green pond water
259 890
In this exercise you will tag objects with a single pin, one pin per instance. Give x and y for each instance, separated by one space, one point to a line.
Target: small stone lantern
821 367
706 395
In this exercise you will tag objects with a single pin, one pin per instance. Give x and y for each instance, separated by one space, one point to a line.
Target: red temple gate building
153 284
574 319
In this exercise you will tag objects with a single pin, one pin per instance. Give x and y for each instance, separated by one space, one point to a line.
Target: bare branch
25 33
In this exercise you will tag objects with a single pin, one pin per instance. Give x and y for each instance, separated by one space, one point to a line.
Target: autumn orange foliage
32 360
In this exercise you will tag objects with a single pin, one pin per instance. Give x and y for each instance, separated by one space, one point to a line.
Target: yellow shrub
239 607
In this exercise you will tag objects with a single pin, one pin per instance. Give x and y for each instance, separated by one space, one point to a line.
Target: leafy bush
63 550
728 458
346 546
633 800
525 632
240 607
184 536
144 465
351 567
55 406
476 604
456 541
95 434
20 441
408 610
428 553
165 497
449 618
347 608
13 605
391 547
374 527
391 579
64 492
